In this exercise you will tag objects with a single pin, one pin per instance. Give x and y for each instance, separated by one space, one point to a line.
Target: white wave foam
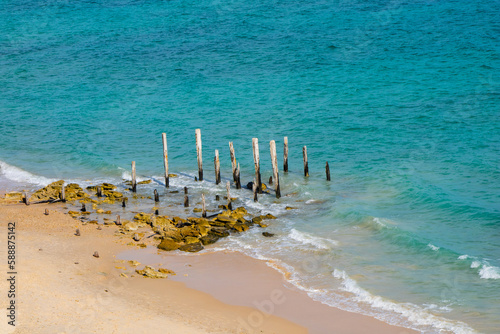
489 272
378 222
475 264
434 248
410 311
16 174
463 257
305 238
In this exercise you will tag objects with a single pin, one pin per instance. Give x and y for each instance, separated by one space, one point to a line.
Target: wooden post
185 190
228 187
198 153
238 180
26 200
256 161
83 209
233 160
327 172
203 208
254 190
186 201
134 181
270 180
157 197
63 193
285 156
118 221
306 165
46 212
217 197
217 167
123 203
274 161
165 159
99 191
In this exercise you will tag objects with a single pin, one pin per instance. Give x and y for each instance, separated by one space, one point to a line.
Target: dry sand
62 288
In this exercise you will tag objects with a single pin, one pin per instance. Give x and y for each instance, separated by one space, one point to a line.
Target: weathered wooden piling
186 201
233 160
83 209
63 194
157 197
254 190
306 165
217 167
198 153
185 190
217 197
270 180
157 212
228 187
99 192
26 200
327 172
274 161
238 180
46 212
123 203
77 232
165 159
203 207
134 180
285 155
256 161
118 220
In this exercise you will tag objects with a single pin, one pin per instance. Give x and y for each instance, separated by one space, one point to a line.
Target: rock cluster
175 233
53 191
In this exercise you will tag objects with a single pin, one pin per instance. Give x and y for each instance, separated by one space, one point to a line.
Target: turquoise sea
402 98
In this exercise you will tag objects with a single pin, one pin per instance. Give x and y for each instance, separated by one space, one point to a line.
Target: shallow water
400 97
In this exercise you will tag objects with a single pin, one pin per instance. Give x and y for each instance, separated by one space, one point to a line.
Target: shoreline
221 292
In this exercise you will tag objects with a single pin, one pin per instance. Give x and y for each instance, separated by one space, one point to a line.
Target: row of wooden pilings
257 181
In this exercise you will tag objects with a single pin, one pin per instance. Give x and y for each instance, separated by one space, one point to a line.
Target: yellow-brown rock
143 218
191 240
151 273
50 192
168 245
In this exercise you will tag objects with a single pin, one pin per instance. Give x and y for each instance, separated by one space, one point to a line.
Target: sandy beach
62 288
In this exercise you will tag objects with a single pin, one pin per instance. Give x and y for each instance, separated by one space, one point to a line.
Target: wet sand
62 288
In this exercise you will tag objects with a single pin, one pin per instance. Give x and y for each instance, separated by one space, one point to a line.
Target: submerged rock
267 234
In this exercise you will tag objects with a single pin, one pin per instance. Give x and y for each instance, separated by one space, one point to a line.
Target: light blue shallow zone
401 97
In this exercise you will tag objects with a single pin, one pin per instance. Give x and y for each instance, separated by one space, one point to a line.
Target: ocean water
400 97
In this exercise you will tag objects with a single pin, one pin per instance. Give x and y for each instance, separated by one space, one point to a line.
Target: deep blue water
401 97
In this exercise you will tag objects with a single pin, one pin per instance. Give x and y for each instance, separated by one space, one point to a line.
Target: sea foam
412 312
17 174
308 239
